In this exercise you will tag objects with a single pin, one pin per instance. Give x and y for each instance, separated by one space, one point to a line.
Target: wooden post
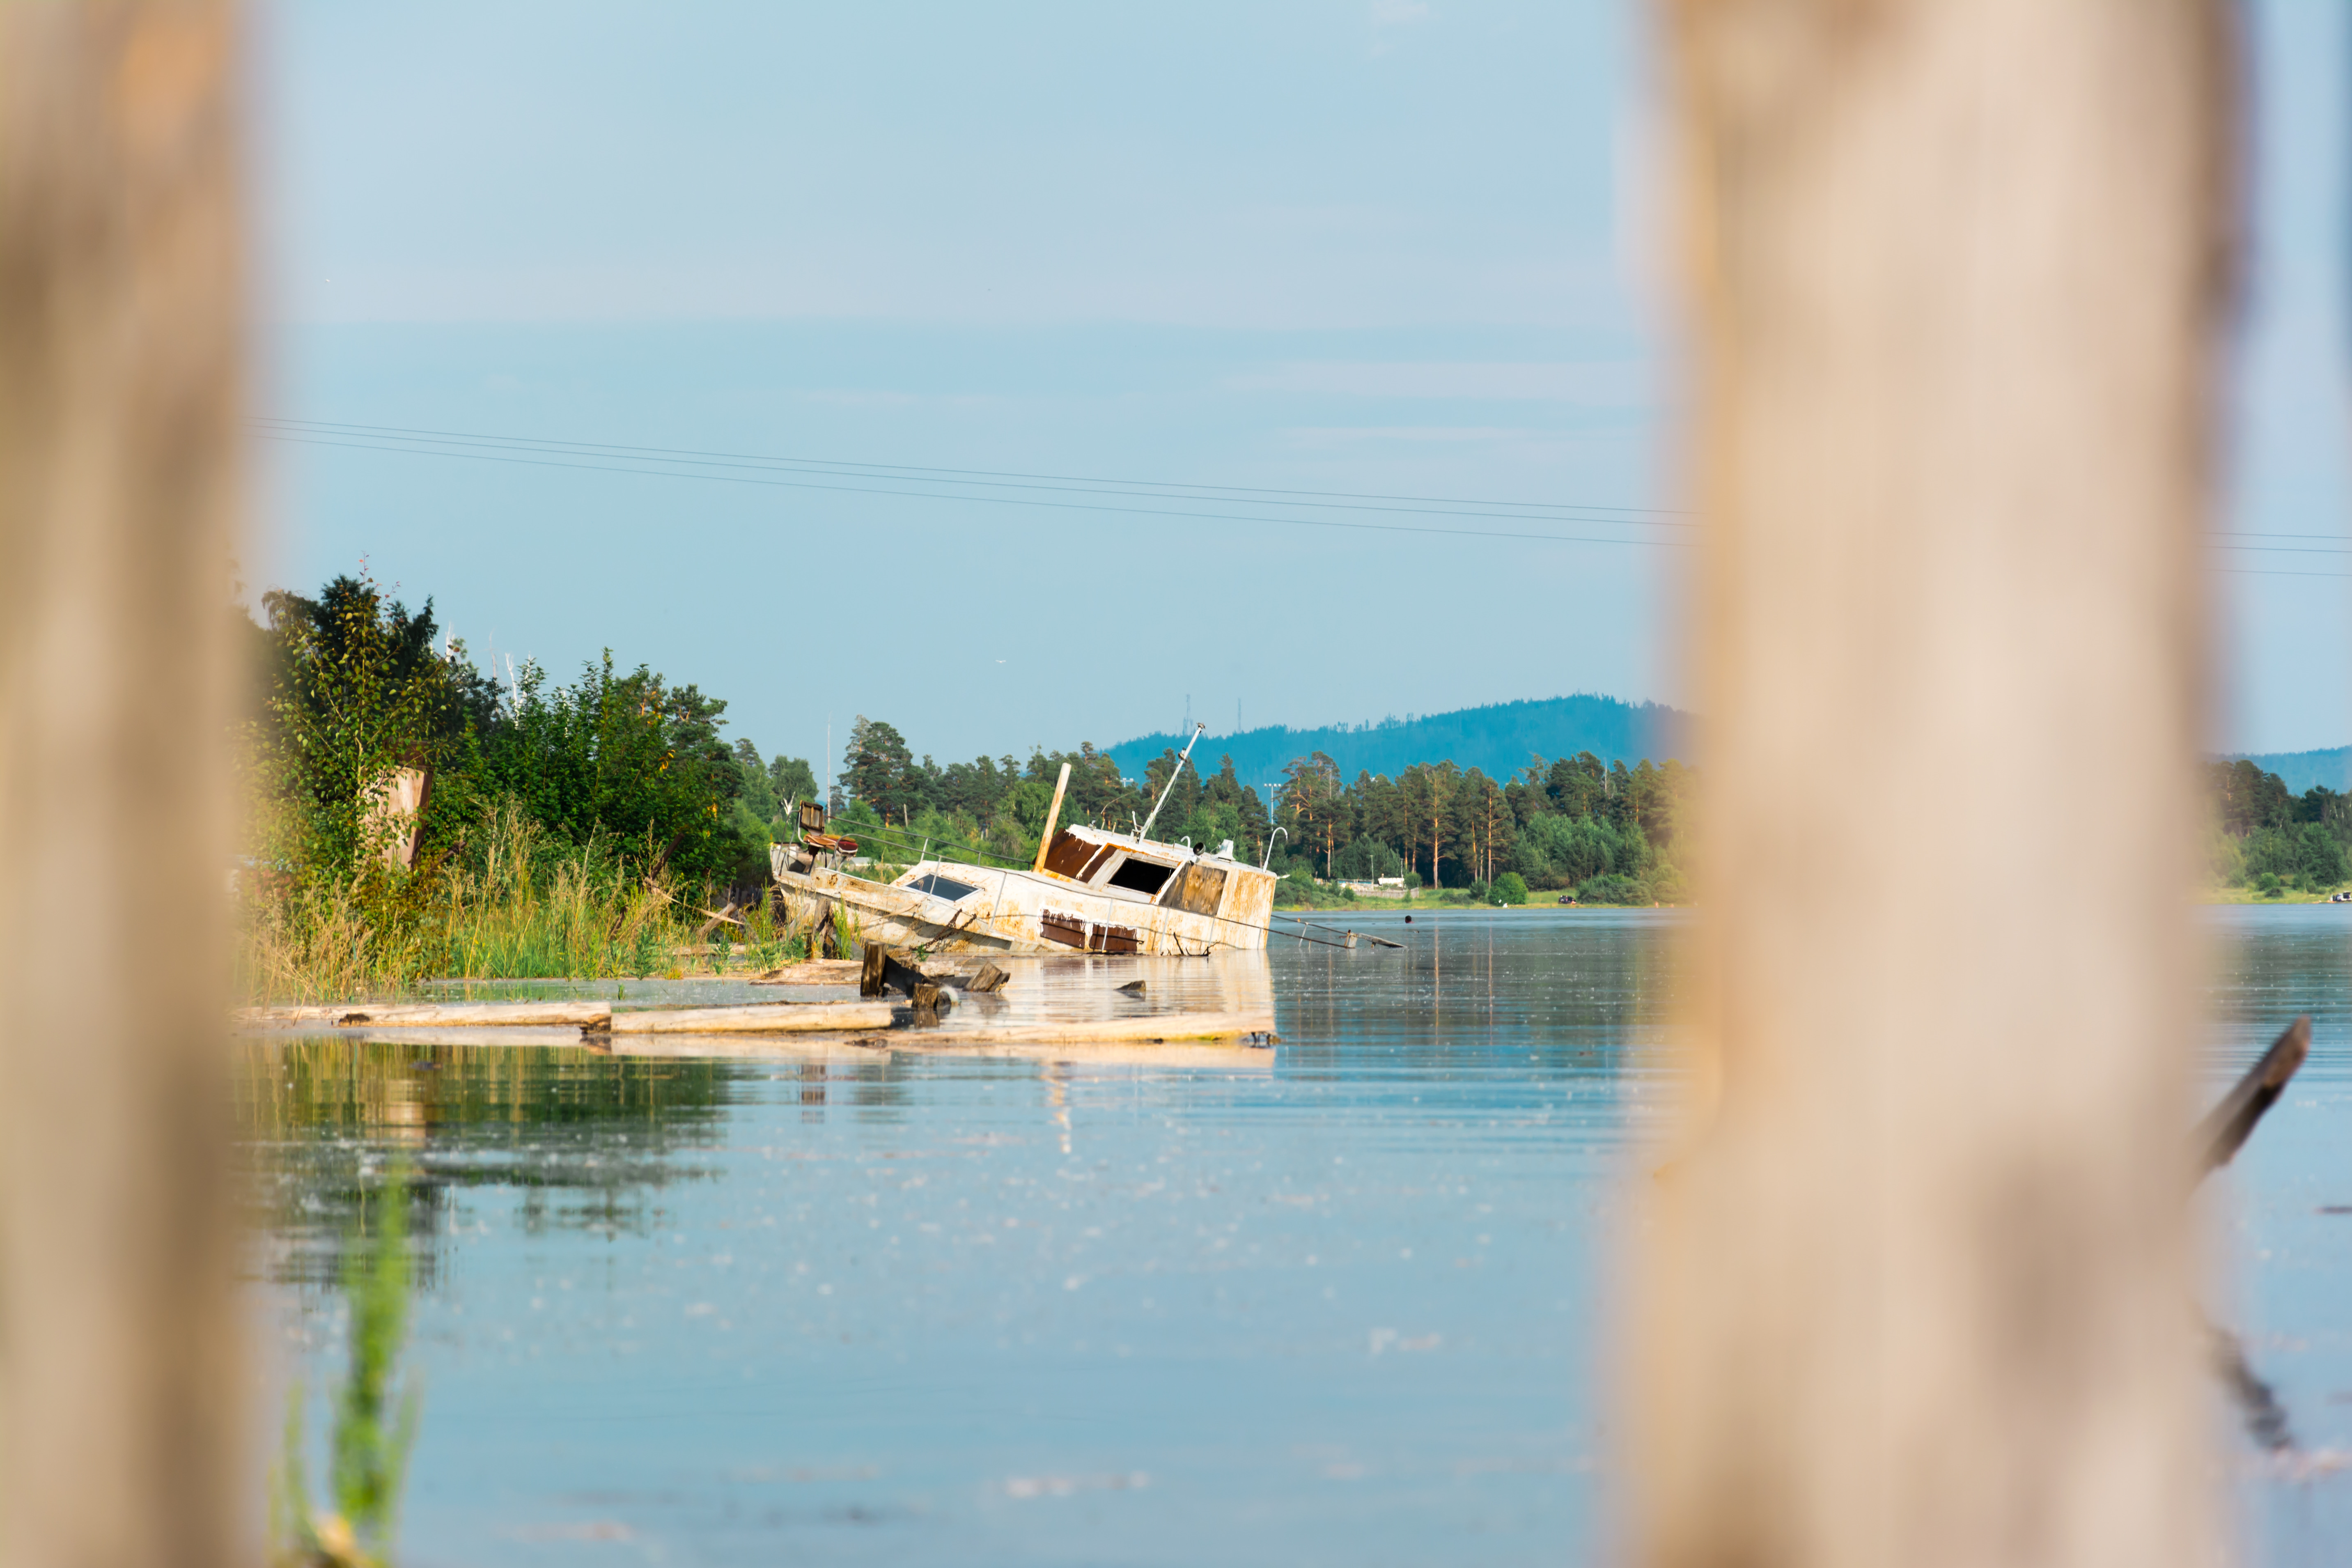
1913 1290
1053 815
123 1406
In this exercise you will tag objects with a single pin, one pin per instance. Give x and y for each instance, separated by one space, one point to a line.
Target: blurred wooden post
1916 1290
122 1406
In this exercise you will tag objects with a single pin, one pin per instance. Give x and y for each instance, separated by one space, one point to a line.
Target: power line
2287 549
1347 500
982 501
686 462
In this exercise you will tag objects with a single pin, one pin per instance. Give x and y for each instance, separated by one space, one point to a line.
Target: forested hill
2299 770
1498 740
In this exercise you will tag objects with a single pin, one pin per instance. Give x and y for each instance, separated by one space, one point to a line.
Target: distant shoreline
2224 896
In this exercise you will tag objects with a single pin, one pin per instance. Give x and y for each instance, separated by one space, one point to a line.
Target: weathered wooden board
433 1014
764 1018
1150 1027
812 972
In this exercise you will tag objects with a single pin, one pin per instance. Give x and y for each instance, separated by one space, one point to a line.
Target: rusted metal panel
1069 931
1200 891
1116 939
1249 901
1070 855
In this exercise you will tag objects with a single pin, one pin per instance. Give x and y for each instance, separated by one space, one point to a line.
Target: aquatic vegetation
375 1415
509 903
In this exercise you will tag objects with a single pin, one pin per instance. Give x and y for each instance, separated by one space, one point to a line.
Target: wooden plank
1156 1027
2227 1126
812 972
433 1014
1053 816
1222 1056
757 1019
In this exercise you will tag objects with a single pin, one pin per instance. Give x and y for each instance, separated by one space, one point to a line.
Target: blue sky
1391 247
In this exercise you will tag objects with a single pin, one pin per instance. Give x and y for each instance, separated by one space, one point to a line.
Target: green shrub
1614 890
2267 885
1563 851
1510 887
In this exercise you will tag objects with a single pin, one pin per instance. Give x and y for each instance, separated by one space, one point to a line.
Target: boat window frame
928 882
1105 879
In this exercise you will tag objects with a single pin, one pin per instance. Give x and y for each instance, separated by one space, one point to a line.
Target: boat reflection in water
1090 1007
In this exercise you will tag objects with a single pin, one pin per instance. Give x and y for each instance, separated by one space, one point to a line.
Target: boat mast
1145 831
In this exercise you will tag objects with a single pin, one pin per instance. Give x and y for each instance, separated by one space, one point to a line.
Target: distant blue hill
2299 770
1498 740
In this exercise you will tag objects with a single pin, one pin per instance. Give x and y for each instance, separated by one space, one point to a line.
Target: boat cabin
1145 871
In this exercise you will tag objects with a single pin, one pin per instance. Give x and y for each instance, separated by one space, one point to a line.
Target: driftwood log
2228 1125
726 914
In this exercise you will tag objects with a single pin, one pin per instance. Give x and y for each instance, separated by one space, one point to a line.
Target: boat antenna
1145 831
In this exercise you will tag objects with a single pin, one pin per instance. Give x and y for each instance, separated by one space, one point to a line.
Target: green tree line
2271 841
1603 829
636 768
353 686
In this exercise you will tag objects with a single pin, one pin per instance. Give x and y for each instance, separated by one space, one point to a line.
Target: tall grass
510 905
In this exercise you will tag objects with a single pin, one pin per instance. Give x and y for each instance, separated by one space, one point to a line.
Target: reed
510 905
375 1410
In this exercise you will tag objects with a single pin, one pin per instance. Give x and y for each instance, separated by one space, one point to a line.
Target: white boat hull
1018 911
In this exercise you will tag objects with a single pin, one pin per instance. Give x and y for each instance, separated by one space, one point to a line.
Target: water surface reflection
1332 1304
1335 1305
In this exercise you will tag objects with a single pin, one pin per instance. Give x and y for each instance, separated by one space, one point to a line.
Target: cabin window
940 886
1140 877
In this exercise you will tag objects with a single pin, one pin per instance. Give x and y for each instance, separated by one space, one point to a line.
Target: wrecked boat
1089 890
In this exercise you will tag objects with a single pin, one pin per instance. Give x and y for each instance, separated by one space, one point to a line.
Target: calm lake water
1338 1302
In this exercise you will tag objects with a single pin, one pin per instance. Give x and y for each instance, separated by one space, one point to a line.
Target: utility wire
1095 484
993 500
685 462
